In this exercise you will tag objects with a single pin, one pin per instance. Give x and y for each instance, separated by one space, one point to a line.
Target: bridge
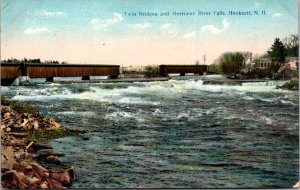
11 71
182 69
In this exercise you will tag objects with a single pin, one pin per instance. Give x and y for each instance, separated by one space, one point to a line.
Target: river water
174 134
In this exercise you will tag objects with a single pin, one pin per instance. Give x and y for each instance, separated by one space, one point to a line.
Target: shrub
152 71
291 85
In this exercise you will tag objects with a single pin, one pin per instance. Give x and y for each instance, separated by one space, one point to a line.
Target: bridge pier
7 82
113 76
85 77
49 79
182 74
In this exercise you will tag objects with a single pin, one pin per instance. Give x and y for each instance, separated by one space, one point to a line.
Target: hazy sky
99 32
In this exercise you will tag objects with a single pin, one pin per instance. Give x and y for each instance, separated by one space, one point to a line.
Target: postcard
149 94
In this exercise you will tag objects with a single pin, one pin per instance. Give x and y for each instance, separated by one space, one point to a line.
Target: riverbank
22 135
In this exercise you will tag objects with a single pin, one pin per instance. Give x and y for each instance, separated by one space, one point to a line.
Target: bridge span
182 69
11 71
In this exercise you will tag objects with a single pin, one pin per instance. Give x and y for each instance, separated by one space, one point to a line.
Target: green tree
215 68
231 62
152 71
278 51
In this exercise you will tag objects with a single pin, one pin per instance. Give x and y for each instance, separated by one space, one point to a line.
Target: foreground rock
297 185
13 121
30 174
21 134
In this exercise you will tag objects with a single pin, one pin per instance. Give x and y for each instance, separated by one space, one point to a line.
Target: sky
107 32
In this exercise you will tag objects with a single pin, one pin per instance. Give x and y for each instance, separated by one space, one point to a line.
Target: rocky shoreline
22 135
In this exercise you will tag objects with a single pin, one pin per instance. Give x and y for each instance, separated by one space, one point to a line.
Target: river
174 134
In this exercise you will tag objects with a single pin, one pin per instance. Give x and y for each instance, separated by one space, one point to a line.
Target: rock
28 167
18 169
55 125
33 180
24 122
28 127
6 115
46 174
39 169
21 154
46 154
36 125
16 179
8 159
44 185
53 159
2 126
17 126
65 177
297 185
54 183
42 146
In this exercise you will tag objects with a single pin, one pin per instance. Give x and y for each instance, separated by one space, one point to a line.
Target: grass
47 135
18 107
38 136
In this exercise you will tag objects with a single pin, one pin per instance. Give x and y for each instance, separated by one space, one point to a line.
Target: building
290 62
264 63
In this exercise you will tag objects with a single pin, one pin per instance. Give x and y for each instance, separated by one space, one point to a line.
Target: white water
172 88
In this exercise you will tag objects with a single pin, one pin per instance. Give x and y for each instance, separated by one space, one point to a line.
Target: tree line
25 60
233 62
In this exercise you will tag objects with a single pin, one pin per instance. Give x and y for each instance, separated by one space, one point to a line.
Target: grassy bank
18 107
290 85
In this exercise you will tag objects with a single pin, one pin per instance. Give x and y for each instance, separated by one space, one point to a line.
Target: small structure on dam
182 69
11 71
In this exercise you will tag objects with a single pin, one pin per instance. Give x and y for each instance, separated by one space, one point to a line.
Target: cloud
189 35
104 23
166 26
53 14
142 26
213 29
95 21
257 4
169 30
225 24
37 30
276 15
